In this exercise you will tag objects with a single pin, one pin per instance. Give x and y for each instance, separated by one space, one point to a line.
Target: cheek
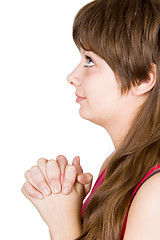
100 102
104 104
101 91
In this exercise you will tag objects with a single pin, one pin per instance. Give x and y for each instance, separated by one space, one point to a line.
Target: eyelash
88 58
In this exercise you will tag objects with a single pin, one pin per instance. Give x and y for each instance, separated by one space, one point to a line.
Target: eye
89 62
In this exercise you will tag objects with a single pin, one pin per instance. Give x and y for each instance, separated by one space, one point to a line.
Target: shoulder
144 214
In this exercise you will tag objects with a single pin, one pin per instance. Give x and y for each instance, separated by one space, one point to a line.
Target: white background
39 116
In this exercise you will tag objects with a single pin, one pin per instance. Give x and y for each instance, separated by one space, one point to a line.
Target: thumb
85 179
76 163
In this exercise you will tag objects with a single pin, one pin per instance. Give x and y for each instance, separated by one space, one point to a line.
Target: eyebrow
83 50
88 51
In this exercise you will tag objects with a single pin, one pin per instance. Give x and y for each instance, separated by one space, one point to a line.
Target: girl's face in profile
95 80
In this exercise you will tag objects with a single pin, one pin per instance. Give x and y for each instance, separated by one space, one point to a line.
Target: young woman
118 84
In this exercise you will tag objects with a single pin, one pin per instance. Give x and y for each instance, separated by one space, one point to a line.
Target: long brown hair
126 34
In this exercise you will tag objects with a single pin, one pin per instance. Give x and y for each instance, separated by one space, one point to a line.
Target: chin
84 114
87 116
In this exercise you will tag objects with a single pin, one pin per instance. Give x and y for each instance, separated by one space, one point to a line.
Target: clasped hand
57 190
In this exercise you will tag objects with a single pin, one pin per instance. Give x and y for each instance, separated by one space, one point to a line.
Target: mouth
78 99
79 96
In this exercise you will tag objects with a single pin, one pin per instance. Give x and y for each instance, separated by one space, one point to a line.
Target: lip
79 98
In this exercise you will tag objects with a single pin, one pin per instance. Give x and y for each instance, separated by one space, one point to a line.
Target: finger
41 163
62 162
86 179
69 178
76 163
53 174
39 180
29 191
29 178
80 189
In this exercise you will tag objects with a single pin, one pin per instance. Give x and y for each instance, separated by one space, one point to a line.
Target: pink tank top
100 180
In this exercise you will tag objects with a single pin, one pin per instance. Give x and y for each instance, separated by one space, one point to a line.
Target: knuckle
61 158
41 160
71 168
70 174
23 191
28 189
41 184
33 168
69 181
51 162
25 186
84 178
38 177
27 173
34 194
54 181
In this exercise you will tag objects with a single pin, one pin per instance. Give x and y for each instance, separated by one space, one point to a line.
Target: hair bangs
87 27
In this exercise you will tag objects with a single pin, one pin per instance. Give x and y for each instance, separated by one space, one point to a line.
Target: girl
118 87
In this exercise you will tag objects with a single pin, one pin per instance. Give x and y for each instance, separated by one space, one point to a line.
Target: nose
74 77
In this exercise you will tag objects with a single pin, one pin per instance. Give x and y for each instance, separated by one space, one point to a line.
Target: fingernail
56 189
83 178
65 190
46 191
39 196
78 159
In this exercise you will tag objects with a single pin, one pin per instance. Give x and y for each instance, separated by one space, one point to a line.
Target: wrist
69 231
73 234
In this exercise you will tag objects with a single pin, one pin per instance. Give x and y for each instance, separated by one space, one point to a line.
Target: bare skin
61 212
103 105
42 179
